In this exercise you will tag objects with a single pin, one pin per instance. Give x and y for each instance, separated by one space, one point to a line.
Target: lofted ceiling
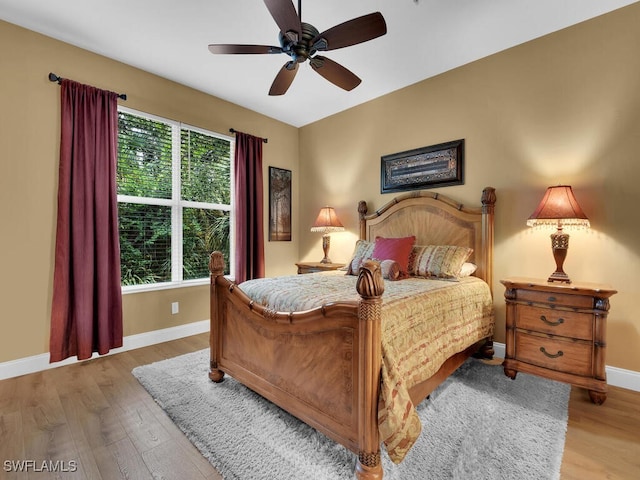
169 38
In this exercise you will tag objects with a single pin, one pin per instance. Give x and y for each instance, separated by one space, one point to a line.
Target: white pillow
467 269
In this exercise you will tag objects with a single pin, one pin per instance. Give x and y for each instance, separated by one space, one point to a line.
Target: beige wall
561 109
29 142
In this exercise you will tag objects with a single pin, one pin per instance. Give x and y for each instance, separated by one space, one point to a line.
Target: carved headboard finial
362 212
362 208
488 199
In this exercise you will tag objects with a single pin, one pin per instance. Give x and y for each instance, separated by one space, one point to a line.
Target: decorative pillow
362 251
390 270
440 261
397 249
467 269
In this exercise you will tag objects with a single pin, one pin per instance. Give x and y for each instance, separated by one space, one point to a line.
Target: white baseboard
617 377
499 349
37 363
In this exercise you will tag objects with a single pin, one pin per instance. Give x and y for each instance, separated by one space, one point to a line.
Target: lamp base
326 242
559 277
560 247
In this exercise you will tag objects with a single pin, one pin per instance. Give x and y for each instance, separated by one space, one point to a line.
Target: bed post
370 286
488 208
216 268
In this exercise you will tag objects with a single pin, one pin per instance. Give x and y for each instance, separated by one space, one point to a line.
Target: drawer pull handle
552 355
551 299
552 324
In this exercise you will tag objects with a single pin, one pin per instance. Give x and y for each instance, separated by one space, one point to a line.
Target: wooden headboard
436 219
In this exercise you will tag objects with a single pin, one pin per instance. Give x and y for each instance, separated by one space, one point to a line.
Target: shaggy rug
478 424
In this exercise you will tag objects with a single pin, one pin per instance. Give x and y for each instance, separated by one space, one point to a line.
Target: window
174 199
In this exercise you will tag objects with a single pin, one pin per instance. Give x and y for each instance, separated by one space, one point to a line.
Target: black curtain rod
55 78
265 140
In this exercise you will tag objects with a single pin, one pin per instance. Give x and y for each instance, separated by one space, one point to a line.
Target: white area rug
479 424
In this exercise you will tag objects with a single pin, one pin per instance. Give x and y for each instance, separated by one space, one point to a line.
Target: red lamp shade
327 221
558 206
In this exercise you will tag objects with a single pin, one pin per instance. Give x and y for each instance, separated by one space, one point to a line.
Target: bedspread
424 322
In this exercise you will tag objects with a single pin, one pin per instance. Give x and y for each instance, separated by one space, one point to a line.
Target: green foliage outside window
145 176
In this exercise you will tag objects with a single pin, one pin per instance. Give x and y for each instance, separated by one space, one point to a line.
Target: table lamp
326 223
559 208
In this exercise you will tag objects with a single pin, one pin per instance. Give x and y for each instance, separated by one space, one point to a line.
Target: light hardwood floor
97 415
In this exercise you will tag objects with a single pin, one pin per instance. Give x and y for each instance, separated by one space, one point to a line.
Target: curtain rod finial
233 130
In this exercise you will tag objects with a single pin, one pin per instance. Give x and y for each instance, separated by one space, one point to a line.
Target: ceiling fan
301 41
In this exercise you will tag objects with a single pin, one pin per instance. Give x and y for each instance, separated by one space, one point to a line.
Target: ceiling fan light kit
302 41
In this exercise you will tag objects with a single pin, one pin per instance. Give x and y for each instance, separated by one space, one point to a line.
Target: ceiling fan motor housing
301 50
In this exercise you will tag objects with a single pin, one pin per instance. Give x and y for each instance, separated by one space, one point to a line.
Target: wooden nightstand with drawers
558 331
312 267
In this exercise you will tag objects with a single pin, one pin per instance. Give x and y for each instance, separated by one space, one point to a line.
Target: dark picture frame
279 205
427 167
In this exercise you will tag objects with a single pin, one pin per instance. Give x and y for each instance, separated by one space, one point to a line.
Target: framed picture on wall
427 167
279 204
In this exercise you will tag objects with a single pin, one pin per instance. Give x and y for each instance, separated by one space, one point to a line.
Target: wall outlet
175 308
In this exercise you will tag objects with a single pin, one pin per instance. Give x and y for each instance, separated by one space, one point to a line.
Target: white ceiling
169 38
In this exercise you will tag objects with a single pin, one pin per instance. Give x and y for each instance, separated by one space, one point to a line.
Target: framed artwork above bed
426 167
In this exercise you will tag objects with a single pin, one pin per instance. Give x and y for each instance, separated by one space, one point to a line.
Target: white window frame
177 204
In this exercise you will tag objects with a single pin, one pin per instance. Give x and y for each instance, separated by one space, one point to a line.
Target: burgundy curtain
249 237
86 311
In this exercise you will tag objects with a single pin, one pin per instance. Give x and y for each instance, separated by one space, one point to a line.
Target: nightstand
311 267
558 331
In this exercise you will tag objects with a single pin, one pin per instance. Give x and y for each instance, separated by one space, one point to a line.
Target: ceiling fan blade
243 49
284 78
351 32
335 73
286 17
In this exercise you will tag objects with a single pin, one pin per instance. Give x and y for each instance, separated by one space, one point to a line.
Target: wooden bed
271 352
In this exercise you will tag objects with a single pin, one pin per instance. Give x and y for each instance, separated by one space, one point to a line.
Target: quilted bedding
424 322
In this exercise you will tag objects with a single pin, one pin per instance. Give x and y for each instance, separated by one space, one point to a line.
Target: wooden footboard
322 365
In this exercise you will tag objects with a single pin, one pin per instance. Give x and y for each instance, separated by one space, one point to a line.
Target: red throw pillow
397 249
